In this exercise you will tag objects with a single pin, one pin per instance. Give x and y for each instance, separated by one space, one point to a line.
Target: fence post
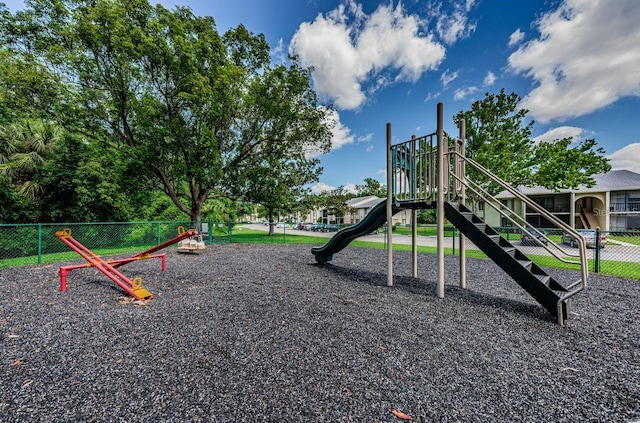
453 240
158 234
596 260
229 229
210 231
39 243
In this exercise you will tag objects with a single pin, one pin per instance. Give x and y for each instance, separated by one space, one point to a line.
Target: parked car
312 227
331 228
530 236
305 226
589 237
282 225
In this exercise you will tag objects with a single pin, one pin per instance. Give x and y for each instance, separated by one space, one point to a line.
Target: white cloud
446 78
340 134
431 96
561 132
462 93
279 52
353 53
627 157
586 57
365 138
349 188
490 79
455 26
516 37
321 187
370 148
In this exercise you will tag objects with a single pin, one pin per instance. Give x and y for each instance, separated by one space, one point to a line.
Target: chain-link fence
618 253
36 243
609 252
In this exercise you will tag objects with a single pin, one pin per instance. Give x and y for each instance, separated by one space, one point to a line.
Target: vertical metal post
463 199
440 201
414 242
414 213
389 210
596 253
210 231
453 240
572 209
158 234
39 243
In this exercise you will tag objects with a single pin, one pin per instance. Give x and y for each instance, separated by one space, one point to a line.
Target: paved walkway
624 253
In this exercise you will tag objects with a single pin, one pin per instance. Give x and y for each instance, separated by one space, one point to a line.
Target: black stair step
526 264
481 225
467 215
495 238
544 279
510 250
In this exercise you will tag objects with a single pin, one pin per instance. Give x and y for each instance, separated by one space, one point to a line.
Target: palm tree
24 148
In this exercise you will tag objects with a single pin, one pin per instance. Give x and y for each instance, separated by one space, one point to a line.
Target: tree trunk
271 222
196 215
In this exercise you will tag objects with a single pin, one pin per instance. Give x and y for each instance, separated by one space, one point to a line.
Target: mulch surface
250 333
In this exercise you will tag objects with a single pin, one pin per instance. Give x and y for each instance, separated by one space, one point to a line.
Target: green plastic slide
372 221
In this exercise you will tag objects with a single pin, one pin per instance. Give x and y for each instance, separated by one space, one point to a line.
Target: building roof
364 202
615 180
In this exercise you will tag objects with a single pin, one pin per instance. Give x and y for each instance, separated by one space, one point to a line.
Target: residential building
612 203
358 209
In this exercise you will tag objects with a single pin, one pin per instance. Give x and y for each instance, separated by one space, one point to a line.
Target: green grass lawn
242 234
246 235
69 256
629 239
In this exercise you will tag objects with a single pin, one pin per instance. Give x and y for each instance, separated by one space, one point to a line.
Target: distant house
612 203
358 209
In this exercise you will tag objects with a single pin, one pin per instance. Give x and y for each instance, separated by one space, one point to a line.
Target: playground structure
133 287
430 172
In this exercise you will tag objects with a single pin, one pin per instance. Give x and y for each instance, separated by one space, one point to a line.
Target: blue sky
575 63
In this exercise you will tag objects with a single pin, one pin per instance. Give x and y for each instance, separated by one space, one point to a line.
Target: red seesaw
132 287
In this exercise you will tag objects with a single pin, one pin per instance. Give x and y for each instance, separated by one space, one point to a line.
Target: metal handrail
486 197
582 250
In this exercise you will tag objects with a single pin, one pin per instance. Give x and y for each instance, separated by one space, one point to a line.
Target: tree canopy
498 138
191 110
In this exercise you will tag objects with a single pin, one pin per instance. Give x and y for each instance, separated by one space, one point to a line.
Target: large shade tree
498 138
185 106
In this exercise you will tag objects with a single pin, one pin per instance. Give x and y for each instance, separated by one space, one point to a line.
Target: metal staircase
540 285
545 289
